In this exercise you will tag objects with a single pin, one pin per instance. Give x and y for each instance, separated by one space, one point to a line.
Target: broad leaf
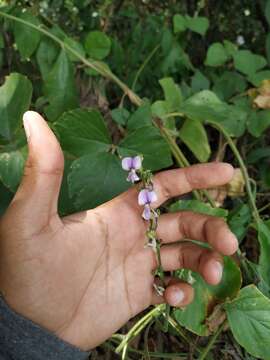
60 87
193 134
172 93
199 82
140 118
97 45
148 142
249 320
83 131
198 207
120 116
15 97
46 55
179 23
95 179
216 55
247 62
258 122
27 38
239 220
11 168
229 84
198 24
194 316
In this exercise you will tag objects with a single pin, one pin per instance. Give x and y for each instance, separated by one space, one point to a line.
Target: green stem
212 342
243 168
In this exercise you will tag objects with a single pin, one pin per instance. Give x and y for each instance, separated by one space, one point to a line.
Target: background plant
178 82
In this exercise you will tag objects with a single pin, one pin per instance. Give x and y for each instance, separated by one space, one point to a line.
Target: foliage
82 64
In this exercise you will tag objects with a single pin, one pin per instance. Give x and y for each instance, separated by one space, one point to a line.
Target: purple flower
132 164
145 198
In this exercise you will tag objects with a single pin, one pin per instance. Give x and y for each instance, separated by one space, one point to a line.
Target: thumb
39 190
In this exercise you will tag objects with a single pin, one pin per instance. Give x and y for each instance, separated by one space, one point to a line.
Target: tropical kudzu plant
216 95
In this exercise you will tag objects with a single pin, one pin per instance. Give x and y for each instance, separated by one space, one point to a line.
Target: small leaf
15 97
179 23
259 77
95 179
247 62
11 169
120 116
249 320
216 55
148 142
258 122
199 82
264 266
97 45
83 131
229 84
193 134
76 46
239 220
27 38
198 207
140 118
194 316
46 55
198 24
172 93
60 87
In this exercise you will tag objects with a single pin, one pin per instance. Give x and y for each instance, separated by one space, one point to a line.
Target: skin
85 275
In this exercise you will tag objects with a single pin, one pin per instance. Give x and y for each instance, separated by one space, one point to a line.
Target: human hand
85 275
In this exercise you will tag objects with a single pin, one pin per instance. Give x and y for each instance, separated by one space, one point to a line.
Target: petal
152 196
132 176
127 163
143 198
146 212
137 162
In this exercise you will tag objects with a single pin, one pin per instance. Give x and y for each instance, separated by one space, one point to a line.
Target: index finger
171 183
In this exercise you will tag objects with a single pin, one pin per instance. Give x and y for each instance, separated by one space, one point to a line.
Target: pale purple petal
143 198
127 163
136 162
152 196
132 176
146 212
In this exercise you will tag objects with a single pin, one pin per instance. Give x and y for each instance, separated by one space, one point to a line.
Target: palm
85 275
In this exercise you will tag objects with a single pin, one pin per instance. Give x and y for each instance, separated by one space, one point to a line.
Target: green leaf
83 131
198 24
60 87
239 220
65 203
216 55
120 116
11 169
140 118
193 134
249 320
160 108
267 11
230 47
95 179
15 97
267 47
179 23
172 93
258 154
46 55
198 207
258 122
76 46
264 266
194 316
6 197
256 79
199 82
229 84
247 62
97 45
148 142
26 38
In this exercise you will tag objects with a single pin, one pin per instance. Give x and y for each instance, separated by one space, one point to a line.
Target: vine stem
212 342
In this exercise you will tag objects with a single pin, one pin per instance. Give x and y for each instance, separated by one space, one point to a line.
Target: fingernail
177 297
218 268
26 125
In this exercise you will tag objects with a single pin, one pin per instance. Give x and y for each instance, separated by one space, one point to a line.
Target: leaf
97 45
230 47
198 24
5 199
264 266
249 320
216 55
172 93
267 47
60 87
257 79
76 46
193 134
83 131
15 97
46 55
229 84
65 203
26 38
267 11
198 207
96 178
239 220
140 118
194 316
179 23
258 122
148 142
11 169
120 116
258 154
247 62
199 82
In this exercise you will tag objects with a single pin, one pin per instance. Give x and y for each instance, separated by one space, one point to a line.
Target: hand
85 275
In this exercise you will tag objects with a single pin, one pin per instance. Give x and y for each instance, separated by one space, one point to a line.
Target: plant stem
212 342
243 168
